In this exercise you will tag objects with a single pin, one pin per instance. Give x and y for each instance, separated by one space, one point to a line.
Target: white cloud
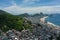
26 1
30 1
45 9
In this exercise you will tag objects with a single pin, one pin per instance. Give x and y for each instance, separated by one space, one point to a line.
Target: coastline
49 23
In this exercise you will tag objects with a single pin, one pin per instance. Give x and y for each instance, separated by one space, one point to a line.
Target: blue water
54 19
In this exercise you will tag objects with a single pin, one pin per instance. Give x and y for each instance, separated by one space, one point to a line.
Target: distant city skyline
30 6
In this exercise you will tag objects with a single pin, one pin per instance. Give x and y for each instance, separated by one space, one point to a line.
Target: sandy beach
48 23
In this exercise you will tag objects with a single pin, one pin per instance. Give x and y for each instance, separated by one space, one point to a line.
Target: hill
9 21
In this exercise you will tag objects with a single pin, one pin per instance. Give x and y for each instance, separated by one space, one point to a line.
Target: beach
48 23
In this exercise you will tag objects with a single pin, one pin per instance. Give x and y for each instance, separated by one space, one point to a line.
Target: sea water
55 19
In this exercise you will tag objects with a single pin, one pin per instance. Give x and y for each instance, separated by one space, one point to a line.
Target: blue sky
30 6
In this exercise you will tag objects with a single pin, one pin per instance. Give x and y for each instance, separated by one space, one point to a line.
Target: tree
9 21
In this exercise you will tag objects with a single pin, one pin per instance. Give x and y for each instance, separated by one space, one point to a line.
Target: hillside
25 27
9 21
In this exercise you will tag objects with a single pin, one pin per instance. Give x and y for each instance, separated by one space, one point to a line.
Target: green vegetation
9 21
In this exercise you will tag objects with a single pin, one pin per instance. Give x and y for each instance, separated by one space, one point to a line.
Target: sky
30 6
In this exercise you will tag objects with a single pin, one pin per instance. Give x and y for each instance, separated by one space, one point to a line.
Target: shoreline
49 23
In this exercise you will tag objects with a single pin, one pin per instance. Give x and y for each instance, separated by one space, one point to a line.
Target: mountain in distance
34 15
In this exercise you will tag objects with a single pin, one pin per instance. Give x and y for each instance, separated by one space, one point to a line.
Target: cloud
15 9
30 1
54 2
45 9
18 9
38 2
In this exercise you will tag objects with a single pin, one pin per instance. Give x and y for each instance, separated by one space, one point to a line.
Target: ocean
55 19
